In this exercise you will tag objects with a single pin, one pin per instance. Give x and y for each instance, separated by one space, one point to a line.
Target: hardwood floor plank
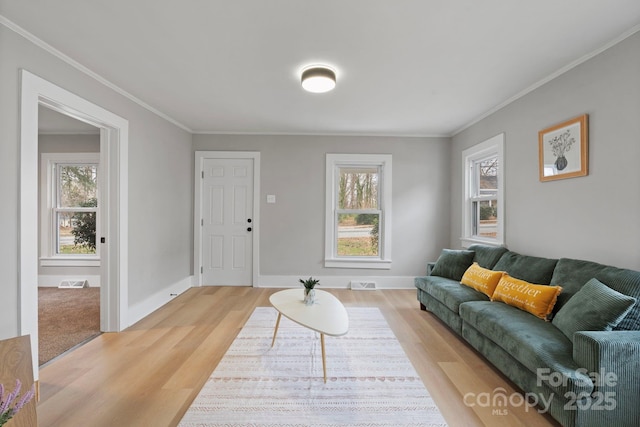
472 386
150 373
206 356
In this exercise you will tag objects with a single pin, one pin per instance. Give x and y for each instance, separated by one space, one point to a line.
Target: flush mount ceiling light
318 78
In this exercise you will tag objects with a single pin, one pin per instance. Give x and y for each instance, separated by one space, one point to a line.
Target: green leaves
310 283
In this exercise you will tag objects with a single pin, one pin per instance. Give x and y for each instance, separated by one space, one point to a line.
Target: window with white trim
483 204
358 211
69 209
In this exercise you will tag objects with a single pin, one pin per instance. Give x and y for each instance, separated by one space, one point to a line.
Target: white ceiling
405 67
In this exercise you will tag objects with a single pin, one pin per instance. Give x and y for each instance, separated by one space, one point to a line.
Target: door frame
114 153
200 156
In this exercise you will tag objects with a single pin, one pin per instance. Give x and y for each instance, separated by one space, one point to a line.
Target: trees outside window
69 209
76 208
358 203
358 212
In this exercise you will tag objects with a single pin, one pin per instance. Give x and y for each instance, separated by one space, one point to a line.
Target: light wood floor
149 374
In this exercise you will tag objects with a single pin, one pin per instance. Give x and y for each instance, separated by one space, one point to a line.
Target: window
69 209
483 206
358 217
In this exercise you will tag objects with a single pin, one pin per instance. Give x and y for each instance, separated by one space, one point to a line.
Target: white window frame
491 147
333 163
48 184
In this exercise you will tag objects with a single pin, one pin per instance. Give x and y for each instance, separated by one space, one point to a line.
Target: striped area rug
370 380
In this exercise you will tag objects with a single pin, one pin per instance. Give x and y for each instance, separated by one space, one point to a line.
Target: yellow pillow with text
481 279
535 299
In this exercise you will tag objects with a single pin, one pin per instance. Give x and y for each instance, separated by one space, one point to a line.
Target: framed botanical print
563 149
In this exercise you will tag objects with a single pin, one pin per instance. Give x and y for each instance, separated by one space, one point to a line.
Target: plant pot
561 162
309 296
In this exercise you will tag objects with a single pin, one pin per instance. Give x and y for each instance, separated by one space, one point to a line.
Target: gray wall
68 143
593 217
65 144
293 168
160 179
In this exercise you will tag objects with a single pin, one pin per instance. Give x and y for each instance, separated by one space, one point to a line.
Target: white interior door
227 223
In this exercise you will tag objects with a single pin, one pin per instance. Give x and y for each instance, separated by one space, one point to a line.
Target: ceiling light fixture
318 78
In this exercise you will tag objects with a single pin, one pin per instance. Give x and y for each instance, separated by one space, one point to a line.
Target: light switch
271 198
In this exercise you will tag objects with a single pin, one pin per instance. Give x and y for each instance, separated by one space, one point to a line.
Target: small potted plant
309 291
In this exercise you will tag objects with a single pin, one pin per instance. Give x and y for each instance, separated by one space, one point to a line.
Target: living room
591 217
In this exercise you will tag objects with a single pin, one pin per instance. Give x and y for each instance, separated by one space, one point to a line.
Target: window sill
358 263
468 241
69 262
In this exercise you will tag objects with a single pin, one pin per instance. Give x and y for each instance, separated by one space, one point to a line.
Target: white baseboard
52 281
337 282
142 309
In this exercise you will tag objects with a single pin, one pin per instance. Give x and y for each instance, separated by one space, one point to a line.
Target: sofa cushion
535 299
595 307
530 268
452 263
539 346
448 292
487 256
481 279
572 274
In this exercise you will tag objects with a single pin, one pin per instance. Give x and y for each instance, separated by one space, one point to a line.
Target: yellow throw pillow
481 279
535 299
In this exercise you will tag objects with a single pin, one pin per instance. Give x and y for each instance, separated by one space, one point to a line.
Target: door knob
249 220
248 228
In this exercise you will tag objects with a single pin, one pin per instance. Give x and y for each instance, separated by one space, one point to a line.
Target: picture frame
563 149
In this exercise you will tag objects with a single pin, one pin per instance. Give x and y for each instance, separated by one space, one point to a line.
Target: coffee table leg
276 330
324 358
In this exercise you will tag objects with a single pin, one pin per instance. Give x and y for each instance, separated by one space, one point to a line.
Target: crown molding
343 134
75 64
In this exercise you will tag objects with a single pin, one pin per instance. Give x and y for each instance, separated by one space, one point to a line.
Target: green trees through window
358 211
76 208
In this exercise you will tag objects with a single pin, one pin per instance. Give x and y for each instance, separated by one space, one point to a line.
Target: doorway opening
112 231
69 256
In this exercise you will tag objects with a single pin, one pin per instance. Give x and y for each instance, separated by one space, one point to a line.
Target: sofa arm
612 359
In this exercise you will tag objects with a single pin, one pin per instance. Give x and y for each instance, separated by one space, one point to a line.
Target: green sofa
588 378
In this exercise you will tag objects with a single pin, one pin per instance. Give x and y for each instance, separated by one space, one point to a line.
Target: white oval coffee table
326 316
